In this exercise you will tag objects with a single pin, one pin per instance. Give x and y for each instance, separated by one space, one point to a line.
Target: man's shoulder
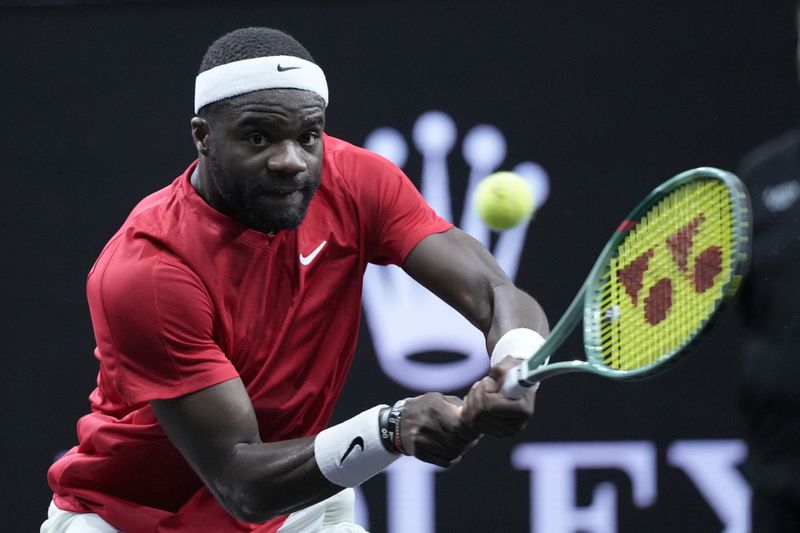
147 235
345 158
158 213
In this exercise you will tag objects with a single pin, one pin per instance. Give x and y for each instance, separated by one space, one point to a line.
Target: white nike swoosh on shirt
305 260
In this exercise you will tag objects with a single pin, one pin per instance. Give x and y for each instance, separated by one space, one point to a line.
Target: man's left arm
462 272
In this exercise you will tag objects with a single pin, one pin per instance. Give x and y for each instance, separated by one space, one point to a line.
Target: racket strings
669 275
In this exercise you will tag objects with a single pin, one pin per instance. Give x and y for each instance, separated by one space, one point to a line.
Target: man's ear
200 133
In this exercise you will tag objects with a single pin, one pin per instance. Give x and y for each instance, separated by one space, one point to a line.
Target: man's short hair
247 43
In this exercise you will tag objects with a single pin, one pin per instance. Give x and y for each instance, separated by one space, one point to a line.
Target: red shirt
184 297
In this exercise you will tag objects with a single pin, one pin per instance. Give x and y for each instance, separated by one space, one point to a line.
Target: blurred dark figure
770 387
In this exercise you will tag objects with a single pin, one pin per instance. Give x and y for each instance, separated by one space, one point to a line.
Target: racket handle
514 386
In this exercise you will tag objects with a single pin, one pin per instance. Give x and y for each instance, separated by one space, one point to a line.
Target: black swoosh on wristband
358 441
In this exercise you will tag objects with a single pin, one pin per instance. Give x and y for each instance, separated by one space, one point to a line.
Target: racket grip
513 385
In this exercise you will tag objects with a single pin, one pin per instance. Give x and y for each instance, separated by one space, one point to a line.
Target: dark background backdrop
611 99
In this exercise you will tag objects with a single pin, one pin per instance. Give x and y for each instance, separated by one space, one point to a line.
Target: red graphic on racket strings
631 276
680 243
658 302
707 265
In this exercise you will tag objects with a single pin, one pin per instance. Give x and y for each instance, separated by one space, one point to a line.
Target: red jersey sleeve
154 324
391 209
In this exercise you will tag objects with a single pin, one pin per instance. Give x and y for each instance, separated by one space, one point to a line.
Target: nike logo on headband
284 69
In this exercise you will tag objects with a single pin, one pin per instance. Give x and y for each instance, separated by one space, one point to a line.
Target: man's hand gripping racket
663 276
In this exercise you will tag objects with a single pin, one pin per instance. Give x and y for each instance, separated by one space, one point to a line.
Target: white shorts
334 515
60 521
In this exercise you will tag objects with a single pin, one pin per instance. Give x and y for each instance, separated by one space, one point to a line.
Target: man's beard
274 220
250 213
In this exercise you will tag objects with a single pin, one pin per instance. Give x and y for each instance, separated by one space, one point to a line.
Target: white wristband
520 342
350 453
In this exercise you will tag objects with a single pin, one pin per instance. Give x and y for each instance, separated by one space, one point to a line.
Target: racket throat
517 381
556 369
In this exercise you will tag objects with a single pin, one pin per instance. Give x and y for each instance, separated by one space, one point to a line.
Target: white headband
247 75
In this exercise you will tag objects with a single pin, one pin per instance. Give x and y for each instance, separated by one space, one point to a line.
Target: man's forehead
271 105
278 98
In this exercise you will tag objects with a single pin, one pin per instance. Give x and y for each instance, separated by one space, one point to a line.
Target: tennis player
226 312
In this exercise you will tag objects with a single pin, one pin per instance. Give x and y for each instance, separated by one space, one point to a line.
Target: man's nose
287 157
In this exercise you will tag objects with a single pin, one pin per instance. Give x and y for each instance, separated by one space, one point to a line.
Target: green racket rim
740 255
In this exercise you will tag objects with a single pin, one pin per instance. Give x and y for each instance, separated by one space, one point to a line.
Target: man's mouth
283 195
281 192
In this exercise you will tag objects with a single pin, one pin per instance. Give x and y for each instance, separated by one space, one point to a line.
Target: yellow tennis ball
503 200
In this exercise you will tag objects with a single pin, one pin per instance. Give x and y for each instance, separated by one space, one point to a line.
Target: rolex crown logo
405 320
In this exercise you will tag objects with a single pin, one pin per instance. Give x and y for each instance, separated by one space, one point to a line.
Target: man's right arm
216 430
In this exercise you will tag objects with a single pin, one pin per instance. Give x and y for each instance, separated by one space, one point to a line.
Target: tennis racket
659 282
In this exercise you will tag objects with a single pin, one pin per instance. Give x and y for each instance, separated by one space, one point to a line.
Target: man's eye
308 138
256 139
